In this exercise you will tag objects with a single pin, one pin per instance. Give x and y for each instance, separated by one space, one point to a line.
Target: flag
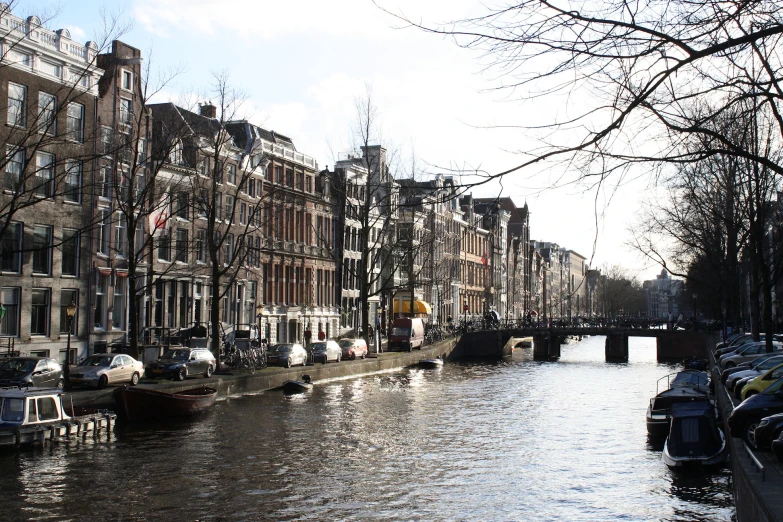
160 214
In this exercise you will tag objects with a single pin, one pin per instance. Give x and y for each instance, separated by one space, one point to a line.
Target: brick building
48 104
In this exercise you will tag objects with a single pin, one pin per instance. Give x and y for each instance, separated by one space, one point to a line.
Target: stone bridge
673 345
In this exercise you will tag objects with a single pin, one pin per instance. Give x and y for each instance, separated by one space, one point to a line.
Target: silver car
107 368
326 351
747 353
286 355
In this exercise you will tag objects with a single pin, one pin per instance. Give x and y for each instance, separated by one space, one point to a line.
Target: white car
101 369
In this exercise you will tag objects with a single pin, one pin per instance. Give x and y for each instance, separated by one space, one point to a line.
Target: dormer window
175 155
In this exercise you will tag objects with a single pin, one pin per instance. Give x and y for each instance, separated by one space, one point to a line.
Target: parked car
101 369
286 355
326 351
31 371
745 418
758 366
406 334
353 348
760 383
768 430
730 339
744 341
733 344
725 375
777 447
746 353
182 363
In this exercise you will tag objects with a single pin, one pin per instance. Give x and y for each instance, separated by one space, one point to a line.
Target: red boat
145 404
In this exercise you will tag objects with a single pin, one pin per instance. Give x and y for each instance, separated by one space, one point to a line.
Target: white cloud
77 33
268 20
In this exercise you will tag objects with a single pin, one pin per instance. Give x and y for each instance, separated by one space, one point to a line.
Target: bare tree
635 69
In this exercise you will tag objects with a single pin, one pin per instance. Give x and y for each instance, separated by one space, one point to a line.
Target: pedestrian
321 334
308 335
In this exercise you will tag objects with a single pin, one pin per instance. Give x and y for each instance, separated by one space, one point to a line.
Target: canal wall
274 377
758 496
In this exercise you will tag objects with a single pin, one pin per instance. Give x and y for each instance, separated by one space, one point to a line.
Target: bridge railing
603 323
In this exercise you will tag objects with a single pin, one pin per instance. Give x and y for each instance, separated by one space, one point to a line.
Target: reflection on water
518 440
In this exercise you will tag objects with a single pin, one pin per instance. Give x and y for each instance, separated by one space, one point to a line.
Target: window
42 250
39 313
66 298
52 69
289 178
17 104
104 181
203 167
107 140
9 299
182 245
126 111
100 301
76 121
181 205
141 157
229 213
11 249
73 181
47 113
201 246
70 248
121 235
218 207
229 249
13 169
118 305
44 174
127 80
104 232
242 213
175 154
47 409
231 174
278 175
251 188
164 247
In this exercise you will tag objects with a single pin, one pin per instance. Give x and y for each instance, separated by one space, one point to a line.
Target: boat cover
690 378
693 432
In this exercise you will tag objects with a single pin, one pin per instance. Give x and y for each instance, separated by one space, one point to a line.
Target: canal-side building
48 100
121 164
297 238
663 295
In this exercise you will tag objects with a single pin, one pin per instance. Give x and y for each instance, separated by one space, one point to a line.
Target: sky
303 63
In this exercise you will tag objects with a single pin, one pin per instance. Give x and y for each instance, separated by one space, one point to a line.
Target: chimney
208 110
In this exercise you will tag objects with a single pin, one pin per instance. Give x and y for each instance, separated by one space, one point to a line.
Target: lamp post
70 312
259 313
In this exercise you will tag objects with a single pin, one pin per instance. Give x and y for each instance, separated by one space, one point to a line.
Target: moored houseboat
685 386
34 415
695 438
140 404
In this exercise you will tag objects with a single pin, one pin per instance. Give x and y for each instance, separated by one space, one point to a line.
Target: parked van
406 334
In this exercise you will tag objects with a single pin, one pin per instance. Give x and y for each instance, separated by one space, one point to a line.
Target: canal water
515 440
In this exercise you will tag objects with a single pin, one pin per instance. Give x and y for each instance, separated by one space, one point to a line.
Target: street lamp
70 312
259 313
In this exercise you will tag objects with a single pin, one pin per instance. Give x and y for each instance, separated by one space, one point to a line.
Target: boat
32 415
140 403
431 363
293 386
685 386
695 438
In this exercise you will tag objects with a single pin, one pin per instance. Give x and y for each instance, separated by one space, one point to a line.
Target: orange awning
419 307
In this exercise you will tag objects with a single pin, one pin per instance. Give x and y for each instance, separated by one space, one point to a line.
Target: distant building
662 294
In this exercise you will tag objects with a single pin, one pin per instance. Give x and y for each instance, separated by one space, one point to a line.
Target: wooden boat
144 404
431 363
695 438
293 386
35 415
